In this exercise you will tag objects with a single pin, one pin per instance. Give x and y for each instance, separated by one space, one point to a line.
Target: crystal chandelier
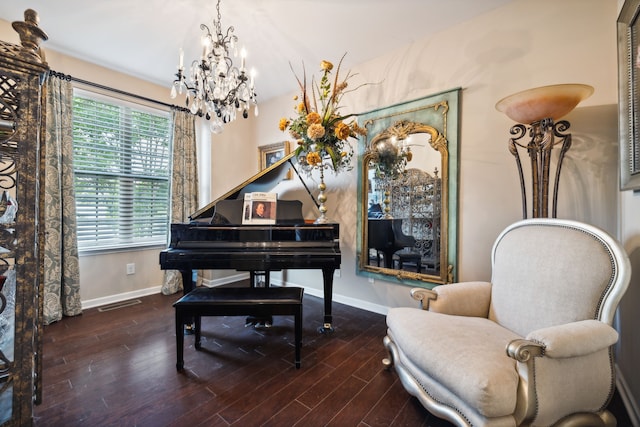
216 88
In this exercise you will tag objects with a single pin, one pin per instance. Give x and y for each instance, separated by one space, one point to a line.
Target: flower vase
322 198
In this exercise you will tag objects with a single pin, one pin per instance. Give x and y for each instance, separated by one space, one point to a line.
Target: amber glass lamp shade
546 102
537 112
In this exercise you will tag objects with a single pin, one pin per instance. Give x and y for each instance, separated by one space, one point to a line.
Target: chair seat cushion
483 376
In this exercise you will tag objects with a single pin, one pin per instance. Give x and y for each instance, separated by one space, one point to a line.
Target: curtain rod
121 92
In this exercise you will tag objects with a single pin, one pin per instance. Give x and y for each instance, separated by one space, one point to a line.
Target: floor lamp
536 112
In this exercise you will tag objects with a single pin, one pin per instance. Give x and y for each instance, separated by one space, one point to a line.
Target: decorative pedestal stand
322 198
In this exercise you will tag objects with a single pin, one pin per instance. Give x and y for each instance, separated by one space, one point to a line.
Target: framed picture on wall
272 153
629 94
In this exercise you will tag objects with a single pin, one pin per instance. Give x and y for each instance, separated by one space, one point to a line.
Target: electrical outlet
337 273
131 268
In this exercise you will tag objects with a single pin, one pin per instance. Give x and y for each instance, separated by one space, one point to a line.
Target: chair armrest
574 339
563 341
460 299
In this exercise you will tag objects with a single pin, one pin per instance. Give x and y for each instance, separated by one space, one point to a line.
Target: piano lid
263 181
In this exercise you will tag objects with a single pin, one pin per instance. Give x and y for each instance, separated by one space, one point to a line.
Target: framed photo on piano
272 153
259 208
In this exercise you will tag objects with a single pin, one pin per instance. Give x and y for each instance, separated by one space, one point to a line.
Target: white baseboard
224 280
352 302
630 403
97 302
111 299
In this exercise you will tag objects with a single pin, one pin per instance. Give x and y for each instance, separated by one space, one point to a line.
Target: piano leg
259 322
187 286
327 276
187 281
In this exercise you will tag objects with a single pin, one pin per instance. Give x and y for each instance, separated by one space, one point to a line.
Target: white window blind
122 173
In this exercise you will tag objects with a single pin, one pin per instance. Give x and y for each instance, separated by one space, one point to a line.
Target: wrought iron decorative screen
22 74
8 115
416 197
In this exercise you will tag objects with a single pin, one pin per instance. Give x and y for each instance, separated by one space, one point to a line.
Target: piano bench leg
198 323
223 302
298 335
179 341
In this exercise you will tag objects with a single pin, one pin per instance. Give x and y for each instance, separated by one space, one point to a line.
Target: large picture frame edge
628 96
279 149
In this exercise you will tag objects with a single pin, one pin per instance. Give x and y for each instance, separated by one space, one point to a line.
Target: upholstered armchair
532 347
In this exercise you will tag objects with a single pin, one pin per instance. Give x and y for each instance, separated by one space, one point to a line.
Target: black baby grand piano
216 239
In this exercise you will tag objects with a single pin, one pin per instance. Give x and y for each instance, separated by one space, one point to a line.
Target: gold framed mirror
407 192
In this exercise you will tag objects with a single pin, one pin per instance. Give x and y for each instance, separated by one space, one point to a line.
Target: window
122 172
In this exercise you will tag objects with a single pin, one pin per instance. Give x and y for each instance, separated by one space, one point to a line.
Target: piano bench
218 301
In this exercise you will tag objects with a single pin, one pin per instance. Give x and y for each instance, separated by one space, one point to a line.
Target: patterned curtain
184 182
61 266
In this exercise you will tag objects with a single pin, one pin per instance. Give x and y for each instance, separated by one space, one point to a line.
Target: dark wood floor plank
372 367
288 415
361 403
351 357
289 390
332 403
118 368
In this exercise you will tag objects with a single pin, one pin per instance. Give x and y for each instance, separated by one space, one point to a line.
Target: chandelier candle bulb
216 88
205 47
181 63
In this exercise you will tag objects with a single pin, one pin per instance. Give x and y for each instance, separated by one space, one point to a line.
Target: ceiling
143 38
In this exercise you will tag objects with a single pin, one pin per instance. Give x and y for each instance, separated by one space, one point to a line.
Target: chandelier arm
206 28
215 87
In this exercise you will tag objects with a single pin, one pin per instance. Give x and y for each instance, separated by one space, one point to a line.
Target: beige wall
518 46
103 278
628 314
524 44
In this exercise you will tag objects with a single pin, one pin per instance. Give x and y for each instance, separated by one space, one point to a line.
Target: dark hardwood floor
117 368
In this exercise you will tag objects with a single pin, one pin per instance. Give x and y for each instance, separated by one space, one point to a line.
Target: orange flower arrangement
320 130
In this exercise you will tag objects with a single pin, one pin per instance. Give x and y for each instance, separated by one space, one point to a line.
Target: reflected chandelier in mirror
407 193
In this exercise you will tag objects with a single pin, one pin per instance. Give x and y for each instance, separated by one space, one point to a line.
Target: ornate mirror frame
438 116
628 25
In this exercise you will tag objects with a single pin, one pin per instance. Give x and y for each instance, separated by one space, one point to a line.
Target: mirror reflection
404 198
404 214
